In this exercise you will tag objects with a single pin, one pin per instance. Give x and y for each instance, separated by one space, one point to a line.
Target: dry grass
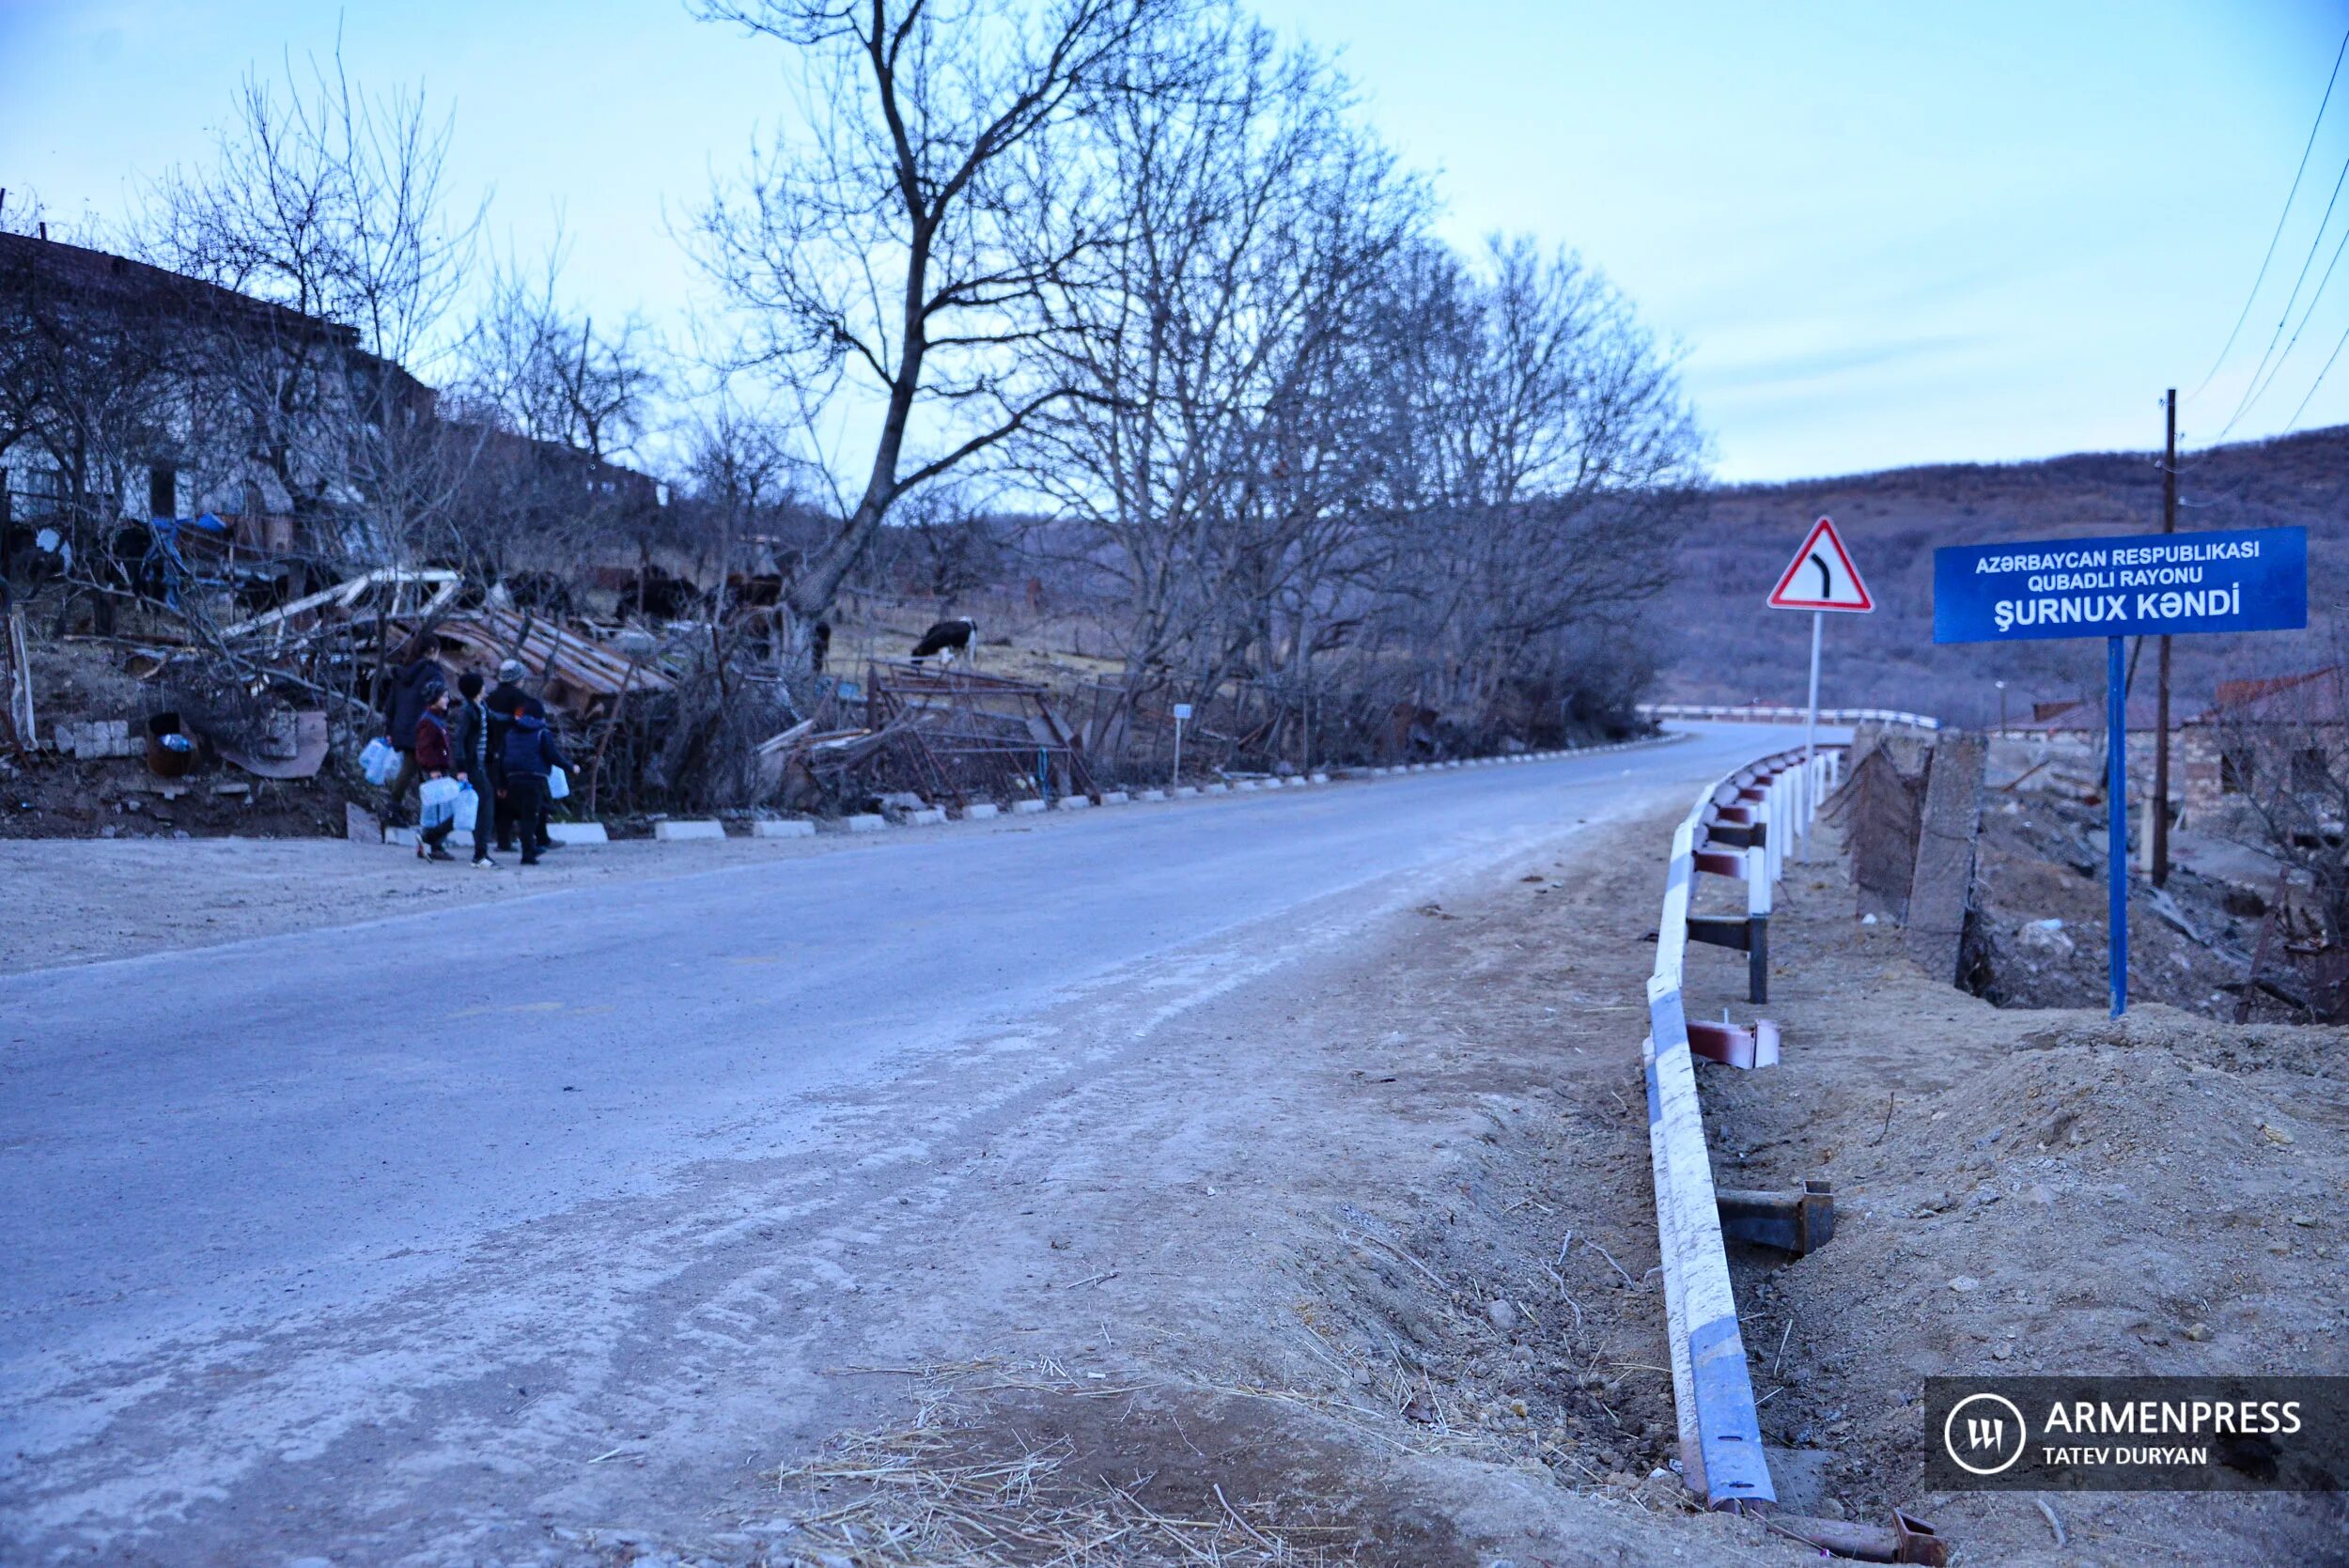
932 1494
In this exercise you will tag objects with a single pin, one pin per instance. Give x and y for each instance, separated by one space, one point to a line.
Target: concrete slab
1072 802
578 832
1114 798
1151 795
673 830
767 827
985 811
929 816
864 822
1026 808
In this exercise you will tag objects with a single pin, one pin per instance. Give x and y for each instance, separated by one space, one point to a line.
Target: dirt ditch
2023 1192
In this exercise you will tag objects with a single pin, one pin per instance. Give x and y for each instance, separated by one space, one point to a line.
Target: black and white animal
946 641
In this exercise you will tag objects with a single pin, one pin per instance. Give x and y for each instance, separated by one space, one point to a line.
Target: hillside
1726 646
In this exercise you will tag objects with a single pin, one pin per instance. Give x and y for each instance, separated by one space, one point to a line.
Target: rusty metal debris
960 734
1906 1539
580 672
1797 1222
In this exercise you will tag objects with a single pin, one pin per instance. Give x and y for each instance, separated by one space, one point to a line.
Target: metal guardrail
1753 714
1738 828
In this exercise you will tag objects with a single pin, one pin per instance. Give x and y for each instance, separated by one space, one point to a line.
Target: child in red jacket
435 759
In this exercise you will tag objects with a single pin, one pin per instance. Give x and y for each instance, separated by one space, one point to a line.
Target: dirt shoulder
2025 1193
1356 1266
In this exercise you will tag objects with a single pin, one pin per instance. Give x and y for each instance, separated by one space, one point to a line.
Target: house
131 393
2296 725
159 429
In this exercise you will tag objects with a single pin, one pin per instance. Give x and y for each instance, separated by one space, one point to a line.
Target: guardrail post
1758 915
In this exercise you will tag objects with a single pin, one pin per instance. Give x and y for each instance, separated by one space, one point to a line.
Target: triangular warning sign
1822 576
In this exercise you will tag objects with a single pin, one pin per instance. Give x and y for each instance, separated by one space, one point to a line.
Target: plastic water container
439 797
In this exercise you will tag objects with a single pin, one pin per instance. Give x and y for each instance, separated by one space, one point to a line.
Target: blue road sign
2133 585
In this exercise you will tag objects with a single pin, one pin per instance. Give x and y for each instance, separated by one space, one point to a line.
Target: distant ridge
1726 646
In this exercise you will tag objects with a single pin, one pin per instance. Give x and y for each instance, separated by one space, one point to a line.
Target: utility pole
2161 702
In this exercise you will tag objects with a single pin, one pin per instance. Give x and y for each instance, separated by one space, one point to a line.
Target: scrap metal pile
942 733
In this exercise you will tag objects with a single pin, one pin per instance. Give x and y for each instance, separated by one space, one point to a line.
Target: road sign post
1819 578
1182 711
2133 586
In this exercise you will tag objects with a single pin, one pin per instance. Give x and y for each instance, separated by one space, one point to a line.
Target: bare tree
551 374
90 385
2287 757
1249 224
886 237
1536 457
334 205
543 398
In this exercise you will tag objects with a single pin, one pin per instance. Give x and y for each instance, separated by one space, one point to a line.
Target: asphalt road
205 1149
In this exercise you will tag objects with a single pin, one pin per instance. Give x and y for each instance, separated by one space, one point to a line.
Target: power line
2315 244
2259 389
2275 238
2294 422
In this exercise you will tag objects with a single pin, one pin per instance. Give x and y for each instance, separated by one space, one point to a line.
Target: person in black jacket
469 737
530 750
403 709
502 704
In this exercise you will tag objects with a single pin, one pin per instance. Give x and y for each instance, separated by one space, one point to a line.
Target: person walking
419 666
530 750
469 734
504 703
435 759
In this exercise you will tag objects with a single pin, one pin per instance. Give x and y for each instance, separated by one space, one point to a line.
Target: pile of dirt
2037 933
2030 1192
47 796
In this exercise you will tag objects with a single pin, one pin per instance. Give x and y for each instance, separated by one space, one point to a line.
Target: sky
1877 234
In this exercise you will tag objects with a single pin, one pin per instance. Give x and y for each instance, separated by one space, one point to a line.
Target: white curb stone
767 827
929 816
1026 808
1185 792
1072 802
1215 790
672 830
983 810
578 832
1319 778
864 822
1115 797
1152 794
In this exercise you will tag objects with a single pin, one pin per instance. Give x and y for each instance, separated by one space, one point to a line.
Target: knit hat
511 670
